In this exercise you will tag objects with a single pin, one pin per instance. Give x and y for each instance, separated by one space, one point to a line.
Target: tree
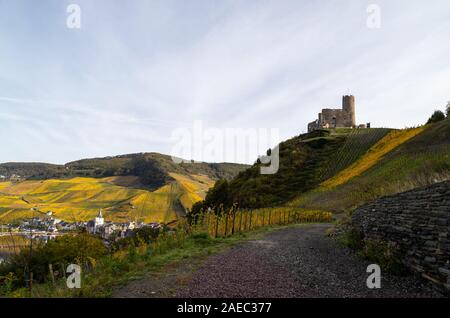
437 116
148 171
219 194
447 110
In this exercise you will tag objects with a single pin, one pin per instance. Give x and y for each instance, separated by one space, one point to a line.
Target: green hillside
422 160
305 161
122 165
336 170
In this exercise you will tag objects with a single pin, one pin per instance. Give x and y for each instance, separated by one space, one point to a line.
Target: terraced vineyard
357 142
401 160
79 199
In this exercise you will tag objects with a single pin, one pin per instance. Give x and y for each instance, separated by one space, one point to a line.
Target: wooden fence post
245 221
226 224
52 275
234 218
208 217
217 225
240 222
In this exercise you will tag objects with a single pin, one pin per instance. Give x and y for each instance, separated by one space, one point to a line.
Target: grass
401 161
386 254
79 199
373 155
357 143
125 266
305 161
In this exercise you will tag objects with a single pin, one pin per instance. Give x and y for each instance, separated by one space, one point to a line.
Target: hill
137 164
305 161
404 160
339 169
146 186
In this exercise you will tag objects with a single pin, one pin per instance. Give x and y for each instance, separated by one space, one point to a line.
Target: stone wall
336 118
418 222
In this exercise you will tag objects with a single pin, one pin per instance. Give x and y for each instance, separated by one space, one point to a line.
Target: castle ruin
336 118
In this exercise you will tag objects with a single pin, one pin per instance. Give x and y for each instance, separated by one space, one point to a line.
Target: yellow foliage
234 221
79 199
193 187
389 142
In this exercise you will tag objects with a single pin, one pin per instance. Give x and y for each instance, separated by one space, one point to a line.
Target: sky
137 71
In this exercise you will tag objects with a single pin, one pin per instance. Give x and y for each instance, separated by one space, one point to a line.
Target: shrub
385 254
82 249
140 236
436 117
352 239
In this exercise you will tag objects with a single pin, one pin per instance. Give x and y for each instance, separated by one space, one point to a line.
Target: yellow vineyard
389 142
79 199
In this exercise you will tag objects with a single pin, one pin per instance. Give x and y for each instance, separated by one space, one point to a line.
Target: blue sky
137 70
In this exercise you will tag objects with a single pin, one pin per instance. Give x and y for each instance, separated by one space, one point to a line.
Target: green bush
352 239
437 116
144 235
385 254
82 249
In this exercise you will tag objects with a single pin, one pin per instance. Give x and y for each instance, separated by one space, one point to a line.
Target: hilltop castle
336 118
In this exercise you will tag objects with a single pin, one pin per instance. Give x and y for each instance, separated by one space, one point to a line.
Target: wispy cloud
135 72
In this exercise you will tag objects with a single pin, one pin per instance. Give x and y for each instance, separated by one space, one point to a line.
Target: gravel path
293 262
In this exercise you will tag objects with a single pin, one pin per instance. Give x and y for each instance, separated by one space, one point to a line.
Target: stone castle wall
336 118
418 222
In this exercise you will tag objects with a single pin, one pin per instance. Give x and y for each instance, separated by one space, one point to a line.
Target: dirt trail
293 262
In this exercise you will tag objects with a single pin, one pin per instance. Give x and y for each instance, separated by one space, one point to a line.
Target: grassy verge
122 267
386 254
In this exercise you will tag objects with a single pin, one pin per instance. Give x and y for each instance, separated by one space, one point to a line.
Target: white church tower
99 220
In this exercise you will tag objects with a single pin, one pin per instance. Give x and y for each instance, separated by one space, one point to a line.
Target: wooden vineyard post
245 221
289 216
217 226
263 216
240 222
250 223
208 221
234 219
226 224
52 275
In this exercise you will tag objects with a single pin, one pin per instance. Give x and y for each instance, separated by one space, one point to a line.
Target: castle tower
348 106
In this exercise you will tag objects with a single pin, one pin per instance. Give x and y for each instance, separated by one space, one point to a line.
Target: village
50 227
